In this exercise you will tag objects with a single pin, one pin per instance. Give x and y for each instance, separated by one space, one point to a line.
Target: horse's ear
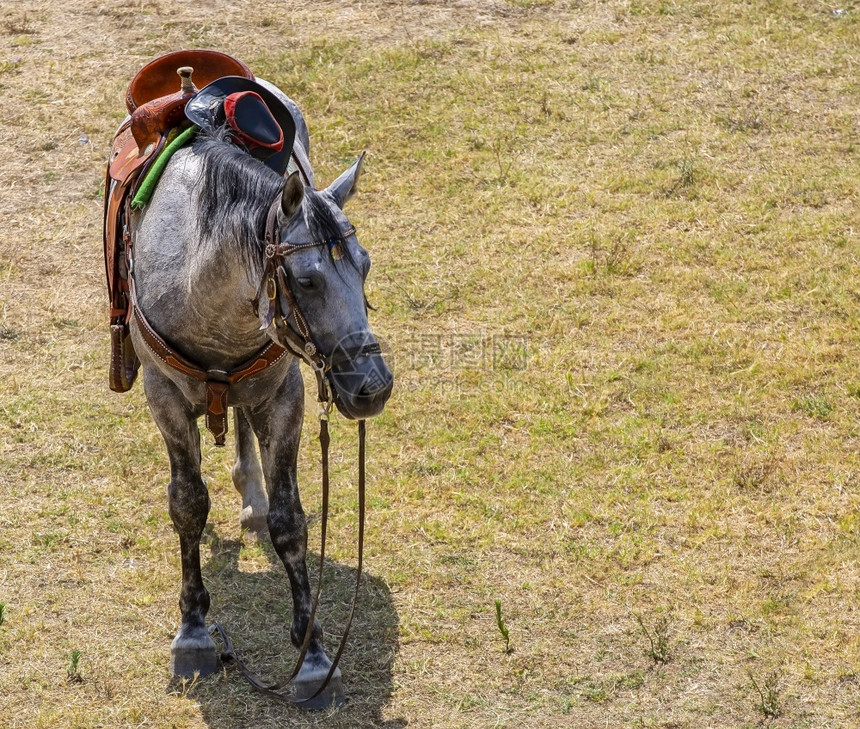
345 186
291 198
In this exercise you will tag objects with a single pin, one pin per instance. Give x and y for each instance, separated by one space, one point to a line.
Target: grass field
615 259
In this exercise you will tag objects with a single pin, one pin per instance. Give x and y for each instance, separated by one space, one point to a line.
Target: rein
228 655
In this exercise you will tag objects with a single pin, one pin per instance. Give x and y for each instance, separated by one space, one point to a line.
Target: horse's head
317 272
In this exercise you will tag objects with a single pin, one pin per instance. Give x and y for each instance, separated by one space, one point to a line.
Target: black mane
238 189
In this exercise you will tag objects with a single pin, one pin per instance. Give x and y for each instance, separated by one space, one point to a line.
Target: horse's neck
219 295
197 295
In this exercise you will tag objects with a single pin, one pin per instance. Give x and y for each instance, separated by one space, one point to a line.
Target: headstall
281 305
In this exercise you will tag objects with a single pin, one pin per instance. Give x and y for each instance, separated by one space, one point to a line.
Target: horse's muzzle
361 386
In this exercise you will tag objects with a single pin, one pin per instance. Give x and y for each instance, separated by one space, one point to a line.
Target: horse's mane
235 193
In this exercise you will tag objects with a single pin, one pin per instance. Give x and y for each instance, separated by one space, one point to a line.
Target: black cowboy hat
260 120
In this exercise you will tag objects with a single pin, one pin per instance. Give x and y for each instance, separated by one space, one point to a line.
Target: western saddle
155 108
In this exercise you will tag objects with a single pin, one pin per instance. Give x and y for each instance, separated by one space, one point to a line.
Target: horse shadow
251 600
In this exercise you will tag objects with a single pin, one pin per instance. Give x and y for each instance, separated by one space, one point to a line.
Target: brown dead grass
660 196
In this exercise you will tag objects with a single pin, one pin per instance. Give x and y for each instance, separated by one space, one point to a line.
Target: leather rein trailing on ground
218 382
228 655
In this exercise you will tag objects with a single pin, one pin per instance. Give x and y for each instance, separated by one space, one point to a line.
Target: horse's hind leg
248 478
193 650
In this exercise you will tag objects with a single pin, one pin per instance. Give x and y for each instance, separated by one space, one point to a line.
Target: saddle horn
186 84
152 120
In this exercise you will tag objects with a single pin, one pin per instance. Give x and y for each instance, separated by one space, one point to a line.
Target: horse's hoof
254 523
193 652
308 681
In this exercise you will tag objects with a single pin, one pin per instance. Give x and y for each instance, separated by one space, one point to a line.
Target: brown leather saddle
155 107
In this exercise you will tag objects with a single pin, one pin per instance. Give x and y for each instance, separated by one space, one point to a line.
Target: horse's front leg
193 650
278 426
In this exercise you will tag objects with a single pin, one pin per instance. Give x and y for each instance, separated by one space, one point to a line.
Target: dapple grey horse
198 268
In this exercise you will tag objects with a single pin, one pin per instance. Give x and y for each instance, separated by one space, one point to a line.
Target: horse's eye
313 282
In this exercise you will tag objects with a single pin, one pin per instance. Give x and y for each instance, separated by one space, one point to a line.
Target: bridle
283 307
297 338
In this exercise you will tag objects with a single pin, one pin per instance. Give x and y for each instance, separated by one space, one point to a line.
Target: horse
222 242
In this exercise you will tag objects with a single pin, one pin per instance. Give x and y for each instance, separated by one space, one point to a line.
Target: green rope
147 187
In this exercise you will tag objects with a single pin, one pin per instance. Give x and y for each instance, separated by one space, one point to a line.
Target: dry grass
615 254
